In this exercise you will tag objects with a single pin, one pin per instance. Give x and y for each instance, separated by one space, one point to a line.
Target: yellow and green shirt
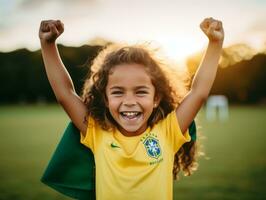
138 167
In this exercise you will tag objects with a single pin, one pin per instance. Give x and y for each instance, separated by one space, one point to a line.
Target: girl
131 116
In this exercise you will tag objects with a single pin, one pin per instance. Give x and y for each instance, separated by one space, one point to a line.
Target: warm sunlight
181 47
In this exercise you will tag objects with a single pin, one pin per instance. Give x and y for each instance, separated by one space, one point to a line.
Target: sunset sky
171 24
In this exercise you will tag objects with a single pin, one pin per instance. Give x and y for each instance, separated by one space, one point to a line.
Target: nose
129 100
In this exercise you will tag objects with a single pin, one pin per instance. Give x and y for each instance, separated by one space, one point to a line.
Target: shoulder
171 127
168 120
94 134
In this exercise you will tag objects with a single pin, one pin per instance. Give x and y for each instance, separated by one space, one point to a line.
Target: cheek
112 103
148 103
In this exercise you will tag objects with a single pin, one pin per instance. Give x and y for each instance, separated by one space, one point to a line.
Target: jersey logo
152 147
113 145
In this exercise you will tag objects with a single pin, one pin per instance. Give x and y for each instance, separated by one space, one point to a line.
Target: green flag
71 169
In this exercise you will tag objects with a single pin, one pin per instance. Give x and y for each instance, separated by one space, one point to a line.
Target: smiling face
130 98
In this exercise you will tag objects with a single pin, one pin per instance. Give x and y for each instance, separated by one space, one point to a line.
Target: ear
157 100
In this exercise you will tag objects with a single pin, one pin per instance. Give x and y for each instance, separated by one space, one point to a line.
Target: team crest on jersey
152 147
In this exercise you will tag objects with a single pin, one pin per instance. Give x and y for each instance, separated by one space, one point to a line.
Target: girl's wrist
45 43
218 43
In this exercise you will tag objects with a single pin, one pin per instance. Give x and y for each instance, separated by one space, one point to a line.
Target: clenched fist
213 29
50 30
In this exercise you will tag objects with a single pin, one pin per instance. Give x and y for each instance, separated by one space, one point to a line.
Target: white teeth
130 114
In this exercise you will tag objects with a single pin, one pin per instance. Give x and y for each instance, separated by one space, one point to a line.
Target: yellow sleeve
89 139
174 134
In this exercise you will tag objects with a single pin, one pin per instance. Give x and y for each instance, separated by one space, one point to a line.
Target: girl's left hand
213 29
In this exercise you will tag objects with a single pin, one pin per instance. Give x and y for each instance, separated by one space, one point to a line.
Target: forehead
129 75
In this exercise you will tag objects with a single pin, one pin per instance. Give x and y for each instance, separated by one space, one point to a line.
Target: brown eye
117 93
142 92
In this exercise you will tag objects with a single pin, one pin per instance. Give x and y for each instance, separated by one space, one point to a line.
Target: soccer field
234 166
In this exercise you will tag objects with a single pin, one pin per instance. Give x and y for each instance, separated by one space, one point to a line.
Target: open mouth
130 114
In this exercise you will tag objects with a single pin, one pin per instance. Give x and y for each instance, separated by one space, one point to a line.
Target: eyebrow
121 88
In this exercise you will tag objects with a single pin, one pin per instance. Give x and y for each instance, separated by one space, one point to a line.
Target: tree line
23 79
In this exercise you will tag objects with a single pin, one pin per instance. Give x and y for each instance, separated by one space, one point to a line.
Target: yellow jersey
138 167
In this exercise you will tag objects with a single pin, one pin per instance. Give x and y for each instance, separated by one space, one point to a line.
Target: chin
132 130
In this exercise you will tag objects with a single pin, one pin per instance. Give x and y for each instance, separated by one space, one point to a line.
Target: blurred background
232 121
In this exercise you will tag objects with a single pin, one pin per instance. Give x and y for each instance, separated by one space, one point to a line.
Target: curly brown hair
168 88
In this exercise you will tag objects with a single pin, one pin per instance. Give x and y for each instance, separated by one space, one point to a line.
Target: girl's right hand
50 30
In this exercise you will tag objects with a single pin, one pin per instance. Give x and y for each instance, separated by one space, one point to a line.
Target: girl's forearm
57 74
205 75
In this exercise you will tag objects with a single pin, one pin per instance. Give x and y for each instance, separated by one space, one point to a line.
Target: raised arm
205 75
57 74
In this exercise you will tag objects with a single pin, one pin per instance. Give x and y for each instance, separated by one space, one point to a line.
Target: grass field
234 167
